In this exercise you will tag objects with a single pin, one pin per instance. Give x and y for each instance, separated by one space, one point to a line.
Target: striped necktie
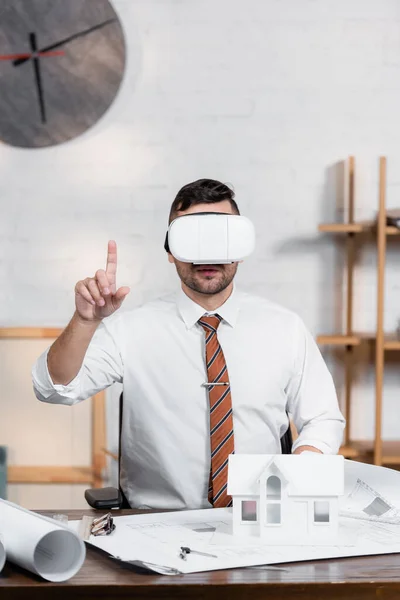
221 422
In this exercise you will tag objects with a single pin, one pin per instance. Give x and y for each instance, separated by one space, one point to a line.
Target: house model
286 498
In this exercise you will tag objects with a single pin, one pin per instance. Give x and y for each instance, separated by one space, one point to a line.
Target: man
177 430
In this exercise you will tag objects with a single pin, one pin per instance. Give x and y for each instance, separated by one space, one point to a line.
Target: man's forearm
66 355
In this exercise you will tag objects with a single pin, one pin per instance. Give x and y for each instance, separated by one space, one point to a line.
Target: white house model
285 498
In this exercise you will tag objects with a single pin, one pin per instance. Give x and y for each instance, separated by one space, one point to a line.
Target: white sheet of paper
40 544
154 540
385 481
224 537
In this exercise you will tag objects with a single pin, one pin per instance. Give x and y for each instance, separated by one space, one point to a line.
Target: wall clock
61 65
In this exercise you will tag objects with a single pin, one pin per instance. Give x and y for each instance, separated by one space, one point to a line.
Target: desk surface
361 578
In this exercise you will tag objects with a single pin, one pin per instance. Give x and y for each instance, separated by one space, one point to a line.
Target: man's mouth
207 270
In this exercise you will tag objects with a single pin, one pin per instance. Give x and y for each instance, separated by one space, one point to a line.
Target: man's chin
208 287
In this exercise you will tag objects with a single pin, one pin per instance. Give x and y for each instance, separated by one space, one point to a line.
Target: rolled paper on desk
42 545
2 554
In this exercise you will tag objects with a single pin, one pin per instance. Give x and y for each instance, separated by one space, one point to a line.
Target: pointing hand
97 297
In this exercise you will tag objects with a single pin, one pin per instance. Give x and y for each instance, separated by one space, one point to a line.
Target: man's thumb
121 295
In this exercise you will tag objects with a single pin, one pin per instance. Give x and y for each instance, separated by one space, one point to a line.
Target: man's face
206 279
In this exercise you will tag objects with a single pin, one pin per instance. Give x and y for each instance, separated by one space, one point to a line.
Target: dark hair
202 191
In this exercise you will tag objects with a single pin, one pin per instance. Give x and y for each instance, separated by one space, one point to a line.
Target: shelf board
392 231
358 449
29 332
345 227
362 227
364 449
338 339
391 342
390 459
391 452
17 474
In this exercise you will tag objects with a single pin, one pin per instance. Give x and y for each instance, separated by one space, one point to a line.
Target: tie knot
210 323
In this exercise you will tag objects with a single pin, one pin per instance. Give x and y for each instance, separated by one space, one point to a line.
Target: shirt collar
191 312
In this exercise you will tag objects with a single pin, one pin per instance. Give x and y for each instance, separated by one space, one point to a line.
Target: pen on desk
185 550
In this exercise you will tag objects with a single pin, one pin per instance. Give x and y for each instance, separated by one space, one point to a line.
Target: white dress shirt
158 352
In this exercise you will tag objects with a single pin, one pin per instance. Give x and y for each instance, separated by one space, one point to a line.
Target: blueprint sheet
370 524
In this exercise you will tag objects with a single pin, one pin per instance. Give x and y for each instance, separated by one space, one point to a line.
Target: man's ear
171 258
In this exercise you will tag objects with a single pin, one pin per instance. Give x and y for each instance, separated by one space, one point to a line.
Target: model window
273 488
273 514
249 510
321 511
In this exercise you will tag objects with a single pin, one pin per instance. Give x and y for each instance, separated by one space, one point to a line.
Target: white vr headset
210 238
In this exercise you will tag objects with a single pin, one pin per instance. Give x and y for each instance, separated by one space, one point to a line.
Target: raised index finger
111 267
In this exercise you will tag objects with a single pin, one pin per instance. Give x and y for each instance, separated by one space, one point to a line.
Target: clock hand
78 35
38 76
71 38
29 55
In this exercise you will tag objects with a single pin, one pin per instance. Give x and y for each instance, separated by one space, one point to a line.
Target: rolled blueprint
40 544
2 554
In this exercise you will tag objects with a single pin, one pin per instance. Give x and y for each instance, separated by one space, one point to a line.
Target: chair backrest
286 446
125 503
287 441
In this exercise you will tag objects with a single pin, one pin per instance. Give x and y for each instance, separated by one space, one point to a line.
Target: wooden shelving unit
92 474
377 451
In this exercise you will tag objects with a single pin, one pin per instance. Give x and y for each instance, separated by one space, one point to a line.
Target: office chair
111 497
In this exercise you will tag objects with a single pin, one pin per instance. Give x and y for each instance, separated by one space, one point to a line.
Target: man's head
204 195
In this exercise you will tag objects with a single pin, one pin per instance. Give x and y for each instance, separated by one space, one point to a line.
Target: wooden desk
101 578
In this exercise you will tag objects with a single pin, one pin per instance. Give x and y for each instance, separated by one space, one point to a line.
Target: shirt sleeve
101 367
312 398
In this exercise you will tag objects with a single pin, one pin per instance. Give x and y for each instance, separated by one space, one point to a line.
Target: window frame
249 522
321 523
273 500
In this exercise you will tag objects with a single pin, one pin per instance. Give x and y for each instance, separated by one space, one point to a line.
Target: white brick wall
265 94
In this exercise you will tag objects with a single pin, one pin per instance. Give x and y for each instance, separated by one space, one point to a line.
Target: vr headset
210 238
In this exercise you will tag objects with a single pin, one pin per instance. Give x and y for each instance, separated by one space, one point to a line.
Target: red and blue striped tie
221 421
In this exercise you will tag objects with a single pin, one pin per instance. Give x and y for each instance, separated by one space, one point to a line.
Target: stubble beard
207 285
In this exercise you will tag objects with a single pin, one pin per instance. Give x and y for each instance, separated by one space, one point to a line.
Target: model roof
307 474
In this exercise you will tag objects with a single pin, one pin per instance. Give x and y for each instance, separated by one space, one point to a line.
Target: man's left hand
301 449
